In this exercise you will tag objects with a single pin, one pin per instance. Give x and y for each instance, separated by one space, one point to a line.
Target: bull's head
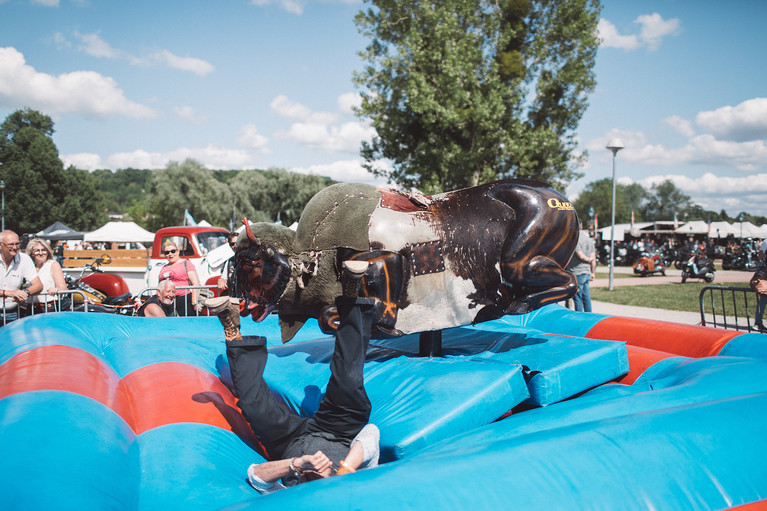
262 272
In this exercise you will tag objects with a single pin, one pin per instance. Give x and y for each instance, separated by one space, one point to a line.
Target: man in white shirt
15 268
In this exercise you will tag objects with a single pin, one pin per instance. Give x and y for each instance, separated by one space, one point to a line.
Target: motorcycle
100 292
649 264
746 260
703 269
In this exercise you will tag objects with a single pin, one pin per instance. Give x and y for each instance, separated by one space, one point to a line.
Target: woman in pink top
182 273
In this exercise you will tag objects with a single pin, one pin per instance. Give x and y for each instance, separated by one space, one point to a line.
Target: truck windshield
210 240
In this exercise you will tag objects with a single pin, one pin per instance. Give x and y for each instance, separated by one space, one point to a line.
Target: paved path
673 276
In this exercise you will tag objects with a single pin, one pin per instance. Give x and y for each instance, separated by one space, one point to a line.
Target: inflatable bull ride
457 258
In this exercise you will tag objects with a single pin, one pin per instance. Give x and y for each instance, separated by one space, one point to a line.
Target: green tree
462 92
83 207
598 194
664 200
38 191
186 186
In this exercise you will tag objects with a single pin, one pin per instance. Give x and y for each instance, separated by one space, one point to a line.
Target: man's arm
274 470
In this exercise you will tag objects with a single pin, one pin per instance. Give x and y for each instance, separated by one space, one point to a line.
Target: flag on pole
596 222
632 218
676 222
188 220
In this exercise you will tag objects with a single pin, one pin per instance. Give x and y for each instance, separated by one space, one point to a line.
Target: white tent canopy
719 229
120 232
745 230
694 227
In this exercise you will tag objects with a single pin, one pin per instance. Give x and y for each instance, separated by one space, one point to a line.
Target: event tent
719 229
745 230
59 231
120 232
694 227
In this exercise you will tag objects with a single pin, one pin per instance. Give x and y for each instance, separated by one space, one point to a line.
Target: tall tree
665 200
466 91
598 194
186 186
38 190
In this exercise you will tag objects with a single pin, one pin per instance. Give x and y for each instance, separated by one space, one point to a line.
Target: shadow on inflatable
549 410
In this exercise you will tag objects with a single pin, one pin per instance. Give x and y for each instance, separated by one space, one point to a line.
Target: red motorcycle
649 264
99 291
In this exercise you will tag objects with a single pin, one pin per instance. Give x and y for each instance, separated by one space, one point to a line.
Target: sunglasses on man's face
172 251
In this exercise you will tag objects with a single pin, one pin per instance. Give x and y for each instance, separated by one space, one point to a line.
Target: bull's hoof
329 320
520 307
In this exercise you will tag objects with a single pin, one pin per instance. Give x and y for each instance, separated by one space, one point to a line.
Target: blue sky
241 84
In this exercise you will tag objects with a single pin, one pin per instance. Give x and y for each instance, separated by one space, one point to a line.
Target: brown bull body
446 260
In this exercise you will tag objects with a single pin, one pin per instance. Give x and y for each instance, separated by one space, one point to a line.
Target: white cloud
612 39
743 122
250 137
680 125
188 114
284 107
47 3
197 66
653 28
750 156
211 156
343 170
714 193
84 92
292 6
94 45
348 102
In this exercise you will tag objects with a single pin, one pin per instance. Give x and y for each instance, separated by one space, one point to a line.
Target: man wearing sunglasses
17 267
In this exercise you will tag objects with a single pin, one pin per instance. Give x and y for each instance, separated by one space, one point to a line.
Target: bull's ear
270 252
290 325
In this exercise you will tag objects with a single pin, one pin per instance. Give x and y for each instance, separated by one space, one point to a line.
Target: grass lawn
677 296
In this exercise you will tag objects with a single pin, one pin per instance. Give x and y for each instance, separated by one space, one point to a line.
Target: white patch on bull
437 300
394 230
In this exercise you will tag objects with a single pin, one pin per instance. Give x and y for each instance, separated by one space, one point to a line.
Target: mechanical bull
435 262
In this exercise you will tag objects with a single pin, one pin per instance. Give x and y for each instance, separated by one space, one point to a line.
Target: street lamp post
2 205
613 145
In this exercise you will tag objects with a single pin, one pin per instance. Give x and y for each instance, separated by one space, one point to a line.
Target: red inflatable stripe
639 360
171 392
64 368
673 338
151 396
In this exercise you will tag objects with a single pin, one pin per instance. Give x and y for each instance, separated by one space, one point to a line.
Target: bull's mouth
257 310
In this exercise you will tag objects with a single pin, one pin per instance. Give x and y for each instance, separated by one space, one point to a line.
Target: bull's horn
251 236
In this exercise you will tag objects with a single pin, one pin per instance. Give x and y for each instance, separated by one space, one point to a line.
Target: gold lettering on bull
561 206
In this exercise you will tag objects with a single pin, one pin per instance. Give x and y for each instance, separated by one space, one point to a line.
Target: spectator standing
16 269
182 273
583 265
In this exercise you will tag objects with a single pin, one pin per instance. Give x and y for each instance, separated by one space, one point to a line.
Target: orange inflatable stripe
639 360
67 369
759 505
677 339
172 392
151 396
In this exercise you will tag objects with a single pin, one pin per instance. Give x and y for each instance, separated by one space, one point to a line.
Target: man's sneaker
351 277
228 311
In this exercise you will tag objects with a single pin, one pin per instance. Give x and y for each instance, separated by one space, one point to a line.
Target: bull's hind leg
538 282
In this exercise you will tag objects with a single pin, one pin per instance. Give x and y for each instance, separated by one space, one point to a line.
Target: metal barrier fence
77 300
729 305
